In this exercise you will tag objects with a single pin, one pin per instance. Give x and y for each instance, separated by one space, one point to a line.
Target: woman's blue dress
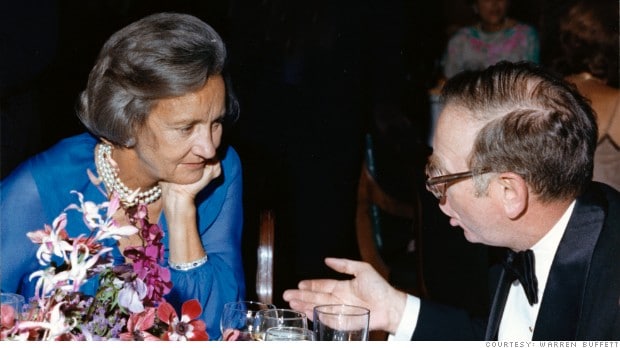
37 191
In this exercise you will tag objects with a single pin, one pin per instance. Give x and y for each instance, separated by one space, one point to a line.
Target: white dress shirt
519 316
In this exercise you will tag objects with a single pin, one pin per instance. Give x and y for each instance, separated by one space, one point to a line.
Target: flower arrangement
129 303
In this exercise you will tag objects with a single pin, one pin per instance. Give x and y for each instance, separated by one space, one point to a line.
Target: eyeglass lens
437 189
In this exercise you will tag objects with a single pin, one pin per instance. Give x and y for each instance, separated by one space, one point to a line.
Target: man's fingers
308 296
304 307
305 301
318 285
346 266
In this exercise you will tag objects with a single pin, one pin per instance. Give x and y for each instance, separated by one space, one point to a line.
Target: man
520 143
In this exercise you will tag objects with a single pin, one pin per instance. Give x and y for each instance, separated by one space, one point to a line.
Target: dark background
312 79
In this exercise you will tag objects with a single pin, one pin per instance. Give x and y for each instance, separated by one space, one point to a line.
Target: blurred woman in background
493 38
589 59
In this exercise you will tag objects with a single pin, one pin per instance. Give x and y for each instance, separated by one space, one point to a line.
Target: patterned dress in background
471 48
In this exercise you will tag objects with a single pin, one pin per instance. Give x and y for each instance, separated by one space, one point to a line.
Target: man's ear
514 194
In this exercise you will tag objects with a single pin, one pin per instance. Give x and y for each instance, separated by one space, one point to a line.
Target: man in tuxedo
512 166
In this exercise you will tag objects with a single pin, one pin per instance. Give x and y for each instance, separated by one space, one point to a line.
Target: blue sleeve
32 196
221 278
21 211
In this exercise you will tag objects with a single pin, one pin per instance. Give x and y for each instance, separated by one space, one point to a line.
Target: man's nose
445 206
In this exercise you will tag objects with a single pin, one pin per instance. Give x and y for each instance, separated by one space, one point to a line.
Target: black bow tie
520 265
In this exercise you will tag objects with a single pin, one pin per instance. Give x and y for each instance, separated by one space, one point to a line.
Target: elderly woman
155 107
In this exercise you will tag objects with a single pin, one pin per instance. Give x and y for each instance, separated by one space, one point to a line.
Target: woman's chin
188 178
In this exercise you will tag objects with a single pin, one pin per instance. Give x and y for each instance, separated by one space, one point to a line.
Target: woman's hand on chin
185 193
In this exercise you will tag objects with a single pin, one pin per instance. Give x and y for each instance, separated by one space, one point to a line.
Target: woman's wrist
186 266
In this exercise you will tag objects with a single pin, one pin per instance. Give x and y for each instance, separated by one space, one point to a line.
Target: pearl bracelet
186 266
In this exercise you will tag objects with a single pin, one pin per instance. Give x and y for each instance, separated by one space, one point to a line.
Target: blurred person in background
495 37
589 56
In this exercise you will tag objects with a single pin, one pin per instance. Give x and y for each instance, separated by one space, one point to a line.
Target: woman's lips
195 165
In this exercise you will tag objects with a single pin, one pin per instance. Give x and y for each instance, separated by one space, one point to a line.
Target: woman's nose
204 145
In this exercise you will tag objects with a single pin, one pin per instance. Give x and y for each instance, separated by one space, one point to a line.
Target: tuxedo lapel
497 307
564 292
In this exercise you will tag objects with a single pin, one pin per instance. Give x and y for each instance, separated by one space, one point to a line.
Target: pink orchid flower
71 279
137 326
53 240
89 210
106 227
131 295
47 281
56 327
81 263
188 328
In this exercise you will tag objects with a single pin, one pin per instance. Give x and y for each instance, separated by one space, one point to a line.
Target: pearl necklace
113 183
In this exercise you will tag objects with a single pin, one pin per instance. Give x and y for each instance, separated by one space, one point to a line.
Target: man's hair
160 56
534 124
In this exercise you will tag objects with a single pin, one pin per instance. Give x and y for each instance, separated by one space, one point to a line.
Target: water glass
237 322
289 333
11 306
341 323
280 317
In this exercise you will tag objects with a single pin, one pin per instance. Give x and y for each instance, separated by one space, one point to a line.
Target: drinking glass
279 317
11 307
288 333
237 322
341 323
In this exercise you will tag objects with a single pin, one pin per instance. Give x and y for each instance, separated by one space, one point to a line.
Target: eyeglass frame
432 183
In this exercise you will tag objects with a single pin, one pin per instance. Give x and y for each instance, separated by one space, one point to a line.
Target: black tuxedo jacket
582 296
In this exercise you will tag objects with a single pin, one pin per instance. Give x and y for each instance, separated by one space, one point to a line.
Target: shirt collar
545 249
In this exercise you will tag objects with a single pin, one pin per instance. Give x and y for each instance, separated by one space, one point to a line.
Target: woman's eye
186 129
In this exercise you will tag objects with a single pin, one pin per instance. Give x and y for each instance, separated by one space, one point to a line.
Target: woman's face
182 134
492 12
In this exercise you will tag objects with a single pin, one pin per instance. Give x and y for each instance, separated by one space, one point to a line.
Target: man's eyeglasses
437 184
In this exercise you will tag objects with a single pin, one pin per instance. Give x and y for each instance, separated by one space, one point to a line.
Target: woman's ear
514 194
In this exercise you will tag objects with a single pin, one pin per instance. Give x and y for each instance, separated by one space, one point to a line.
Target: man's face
182 134
478 215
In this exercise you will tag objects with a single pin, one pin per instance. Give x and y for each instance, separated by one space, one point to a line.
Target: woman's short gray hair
160 56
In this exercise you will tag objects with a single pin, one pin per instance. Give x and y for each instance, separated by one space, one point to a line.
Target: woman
155 106
494 38
589 59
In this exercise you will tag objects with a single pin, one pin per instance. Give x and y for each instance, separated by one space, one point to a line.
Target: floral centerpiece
129 303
